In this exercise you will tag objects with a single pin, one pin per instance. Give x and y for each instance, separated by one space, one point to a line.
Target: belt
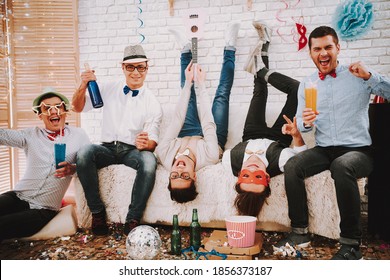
115 143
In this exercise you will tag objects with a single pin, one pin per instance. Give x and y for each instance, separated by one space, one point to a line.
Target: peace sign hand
290 127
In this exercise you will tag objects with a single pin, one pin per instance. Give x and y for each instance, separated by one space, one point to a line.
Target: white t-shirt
259 148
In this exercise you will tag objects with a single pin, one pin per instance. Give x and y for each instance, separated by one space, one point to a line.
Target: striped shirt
39 187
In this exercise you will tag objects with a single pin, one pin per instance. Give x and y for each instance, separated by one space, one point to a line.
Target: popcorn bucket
241 231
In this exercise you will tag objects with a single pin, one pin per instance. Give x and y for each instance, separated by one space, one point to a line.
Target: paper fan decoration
353 19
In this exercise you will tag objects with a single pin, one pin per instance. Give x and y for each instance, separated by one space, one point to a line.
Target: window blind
44 52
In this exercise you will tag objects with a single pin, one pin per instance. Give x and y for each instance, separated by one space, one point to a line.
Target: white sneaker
180 38
254 61
232 33
263 31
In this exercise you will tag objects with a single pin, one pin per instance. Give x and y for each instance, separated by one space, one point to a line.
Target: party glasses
45 109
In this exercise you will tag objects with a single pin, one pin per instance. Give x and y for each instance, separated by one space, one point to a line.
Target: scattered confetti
85 246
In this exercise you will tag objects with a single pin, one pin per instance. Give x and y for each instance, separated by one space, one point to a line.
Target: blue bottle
94 92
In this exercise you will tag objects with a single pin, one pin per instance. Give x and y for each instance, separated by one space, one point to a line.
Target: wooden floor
83 245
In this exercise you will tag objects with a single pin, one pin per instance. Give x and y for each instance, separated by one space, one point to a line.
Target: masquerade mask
257 177
47 110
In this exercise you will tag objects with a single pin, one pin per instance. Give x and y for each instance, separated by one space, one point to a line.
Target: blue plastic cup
59 153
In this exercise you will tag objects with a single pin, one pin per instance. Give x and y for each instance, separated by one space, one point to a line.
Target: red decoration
302 39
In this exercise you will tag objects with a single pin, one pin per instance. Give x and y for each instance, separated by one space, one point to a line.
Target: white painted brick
370 60
383 69
374 51
107 26
104 3
152 78
381 42
384 60
382 14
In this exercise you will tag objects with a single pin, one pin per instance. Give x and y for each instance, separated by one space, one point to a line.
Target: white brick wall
107 26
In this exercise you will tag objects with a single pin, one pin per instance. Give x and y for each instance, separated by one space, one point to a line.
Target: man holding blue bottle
130 129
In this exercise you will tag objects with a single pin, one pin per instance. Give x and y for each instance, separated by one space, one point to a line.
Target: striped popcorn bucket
241 231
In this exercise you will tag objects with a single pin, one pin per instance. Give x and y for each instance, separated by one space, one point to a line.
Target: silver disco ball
143 243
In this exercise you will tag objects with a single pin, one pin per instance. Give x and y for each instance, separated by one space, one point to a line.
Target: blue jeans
93 157
220 108
346 166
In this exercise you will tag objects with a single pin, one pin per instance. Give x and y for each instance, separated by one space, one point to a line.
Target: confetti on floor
85 246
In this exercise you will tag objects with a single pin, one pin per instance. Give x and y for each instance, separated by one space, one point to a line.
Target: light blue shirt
342 103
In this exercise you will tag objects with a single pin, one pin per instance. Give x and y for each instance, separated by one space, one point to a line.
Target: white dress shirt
125 116
262 144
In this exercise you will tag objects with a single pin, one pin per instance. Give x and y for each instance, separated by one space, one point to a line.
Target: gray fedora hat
134 54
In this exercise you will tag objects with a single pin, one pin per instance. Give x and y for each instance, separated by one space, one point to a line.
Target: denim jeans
220 108
93 157
255 124
346 166
18 220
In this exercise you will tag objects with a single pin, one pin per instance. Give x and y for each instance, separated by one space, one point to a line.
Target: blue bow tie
126 90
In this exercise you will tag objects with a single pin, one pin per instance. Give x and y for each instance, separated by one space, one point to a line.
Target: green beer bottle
195 230
175 237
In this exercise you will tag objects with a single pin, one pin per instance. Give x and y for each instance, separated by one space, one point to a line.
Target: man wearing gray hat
37 197
131 122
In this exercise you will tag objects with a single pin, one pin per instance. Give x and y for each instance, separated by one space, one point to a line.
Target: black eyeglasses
131 68
184 175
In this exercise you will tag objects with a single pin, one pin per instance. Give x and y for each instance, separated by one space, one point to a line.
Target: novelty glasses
47 110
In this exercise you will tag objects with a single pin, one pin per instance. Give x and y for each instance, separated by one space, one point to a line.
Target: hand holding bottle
88 75
93 88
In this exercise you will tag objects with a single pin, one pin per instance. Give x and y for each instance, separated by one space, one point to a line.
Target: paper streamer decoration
353 19
141 23
298 31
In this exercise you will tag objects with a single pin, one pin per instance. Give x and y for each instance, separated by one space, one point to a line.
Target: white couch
216 193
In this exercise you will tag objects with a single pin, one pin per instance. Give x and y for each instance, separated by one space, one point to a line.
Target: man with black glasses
131 122
197 135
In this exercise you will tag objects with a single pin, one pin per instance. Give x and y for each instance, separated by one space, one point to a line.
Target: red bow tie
52 136
332 73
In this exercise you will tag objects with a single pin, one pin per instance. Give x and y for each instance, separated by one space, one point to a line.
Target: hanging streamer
278 18
141 23
280 11
298 32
